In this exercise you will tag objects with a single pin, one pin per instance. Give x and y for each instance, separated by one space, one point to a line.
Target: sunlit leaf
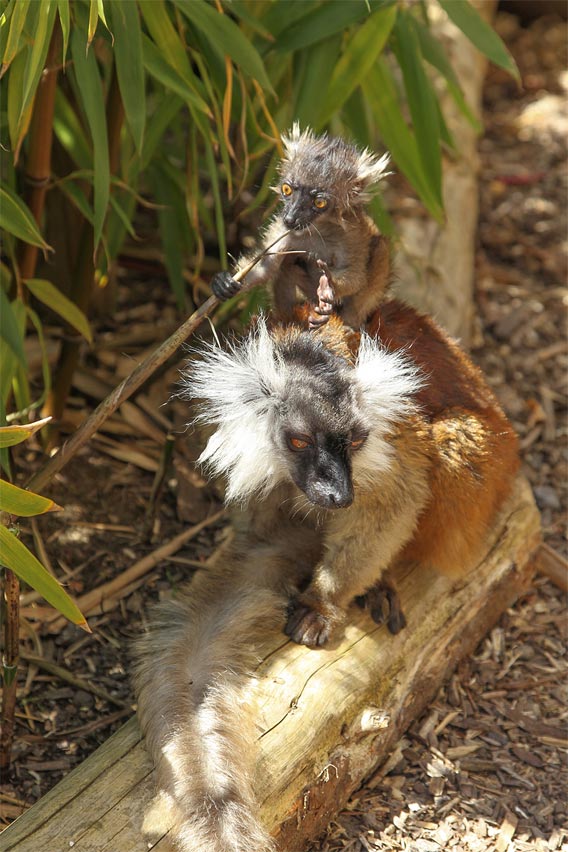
17 219
90 89
422 102
357 58
18 118
11 435
433 52
380 94
93 21
63 8
24 504
480 33
16 556
16 26
130 67
51 296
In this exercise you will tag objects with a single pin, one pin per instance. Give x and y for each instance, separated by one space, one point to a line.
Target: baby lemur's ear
296 139
371 169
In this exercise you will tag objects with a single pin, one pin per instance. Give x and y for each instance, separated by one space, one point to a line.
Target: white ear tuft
239 390
295 139
371 169
388 382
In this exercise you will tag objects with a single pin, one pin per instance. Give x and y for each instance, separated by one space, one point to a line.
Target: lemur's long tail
193 678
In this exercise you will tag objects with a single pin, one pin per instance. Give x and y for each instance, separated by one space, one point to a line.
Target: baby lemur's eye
286 189
299 442
320 202
357 443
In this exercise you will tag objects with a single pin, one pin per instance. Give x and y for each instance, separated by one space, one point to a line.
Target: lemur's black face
303 204
320 424
320 465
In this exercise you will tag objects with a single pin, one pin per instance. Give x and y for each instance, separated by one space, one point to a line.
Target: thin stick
97 596
131 383
66 676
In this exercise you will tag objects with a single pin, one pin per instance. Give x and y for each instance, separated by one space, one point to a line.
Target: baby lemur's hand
326 297
223 285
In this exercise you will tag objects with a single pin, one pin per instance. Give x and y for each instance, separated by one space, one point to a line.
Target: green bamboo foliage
182 102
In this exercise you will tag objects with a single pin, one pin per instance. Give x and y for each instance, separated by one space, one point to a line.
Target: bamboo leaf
250 18
93 21
9 361
480 33
317 61
91 94
224 35
166 192
169 77
24 504
17 21
356 59
12 435
16 556
434 53
63 8
322 21
69 131
422 102
380 94
49 295
10 330
45 368
17 219
130 67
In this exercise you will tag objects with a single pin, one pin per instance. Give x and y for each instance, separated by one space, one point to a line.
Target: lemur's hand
326 297
223 285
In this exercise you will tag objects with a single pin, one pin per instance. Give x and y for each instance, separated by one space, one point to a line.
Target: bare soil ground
485 767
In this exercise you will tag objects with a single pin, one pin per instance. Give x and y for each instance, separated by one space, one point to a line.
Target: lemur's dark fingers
223 285
384 606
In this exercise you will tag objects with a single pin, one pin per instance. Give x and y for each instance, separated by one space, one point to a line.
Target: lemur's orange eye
299 443
358 442
286 189
320 203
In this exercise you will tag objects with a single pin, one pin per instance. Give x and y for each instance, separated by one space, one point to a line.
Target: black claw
223 285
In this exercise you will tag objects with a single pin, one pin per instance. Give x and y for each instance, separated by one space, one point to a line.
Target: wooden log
327 718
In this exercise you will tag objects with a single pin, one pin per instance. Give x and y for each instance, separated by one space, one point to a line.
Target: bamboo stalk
10 663
40 138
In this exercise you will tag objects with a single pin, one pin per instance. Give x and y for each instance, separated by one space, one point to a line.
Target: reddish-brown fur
475 450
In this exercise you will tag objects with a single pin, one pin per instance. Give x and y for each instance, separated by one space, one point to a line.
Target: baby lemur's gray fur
341 262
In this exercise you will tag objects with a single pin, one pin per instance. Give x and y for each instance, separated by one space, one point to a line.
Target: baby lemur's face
303 204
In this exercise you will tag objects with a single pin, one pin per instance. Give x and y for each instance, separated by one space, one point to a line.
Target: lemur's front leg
361 545
326 297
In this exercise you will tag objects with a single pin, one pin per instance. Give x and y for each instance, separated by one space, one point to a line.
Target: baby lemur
339 466
329 248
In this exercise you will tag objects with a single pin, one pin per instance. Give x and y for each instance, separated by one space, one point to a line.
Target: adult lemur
340 466
327 247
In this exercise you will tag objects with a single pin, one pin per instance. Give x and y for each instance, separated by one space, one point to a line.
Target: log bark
327 718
